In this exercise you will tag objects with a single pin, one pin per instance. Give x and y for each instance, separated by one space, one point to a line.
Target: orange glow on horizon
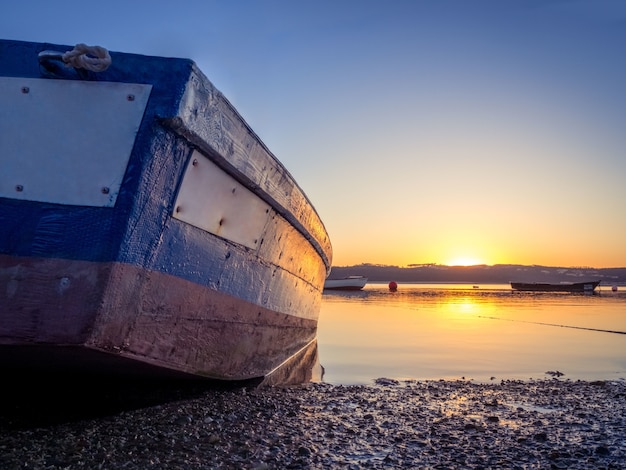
490 251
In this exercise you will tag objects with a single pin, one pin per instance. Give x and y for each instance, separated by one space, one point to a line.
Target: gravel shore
389 424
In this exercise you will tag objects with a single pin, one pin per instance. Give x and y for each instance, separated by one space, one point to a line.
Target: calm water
451 331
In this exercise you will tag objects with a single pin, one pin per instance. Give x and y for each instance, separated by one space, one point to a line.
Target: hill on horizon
496 274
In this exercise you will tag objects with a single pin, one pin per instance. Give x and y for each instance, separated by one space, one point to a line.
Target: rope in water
93 58
554 324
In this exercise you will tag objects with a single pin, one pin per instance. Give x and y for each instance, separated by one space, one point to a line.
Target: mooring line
554 324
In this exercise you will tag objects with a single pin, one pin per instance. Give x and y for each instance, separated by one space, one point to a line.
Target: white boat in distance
346 283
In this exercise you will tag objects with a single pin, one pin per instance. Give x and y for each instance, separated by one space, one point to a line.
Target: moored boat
558 287
346 283
143 222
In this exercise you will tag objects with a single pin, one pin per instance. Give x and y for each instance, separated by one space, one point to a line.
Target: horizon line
421 265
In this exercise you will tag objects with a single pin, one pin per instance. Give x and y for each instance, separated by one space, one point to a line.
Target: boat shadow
36 394
48 400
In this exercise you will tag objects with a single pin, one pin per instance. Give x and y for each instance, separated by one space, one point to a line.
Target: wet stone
389 424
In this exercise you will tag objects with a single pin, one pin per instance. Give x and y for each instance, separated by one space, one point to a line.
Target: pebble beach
551 423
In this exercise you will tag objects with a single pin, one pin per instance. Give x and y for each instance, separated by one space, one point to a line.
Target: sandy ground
430 424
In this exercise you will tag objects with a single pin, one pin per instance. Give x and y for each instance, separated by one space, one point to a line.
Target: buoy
393 286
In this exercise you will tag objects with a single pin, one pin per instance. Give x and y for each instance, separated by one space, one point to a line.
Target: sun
464 261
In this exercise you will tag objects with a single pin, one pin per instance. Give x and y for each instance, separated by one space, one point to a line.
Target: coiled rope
94 58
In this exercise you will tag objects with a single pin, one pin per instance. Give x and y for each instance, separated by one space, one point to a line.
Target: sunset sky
423 131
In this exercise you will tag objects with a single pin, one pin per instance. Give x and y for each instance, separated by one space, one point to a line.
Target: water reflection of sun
467 305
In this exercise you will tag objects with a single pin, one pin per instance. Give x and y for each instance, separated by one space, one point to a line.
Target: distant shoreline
495 274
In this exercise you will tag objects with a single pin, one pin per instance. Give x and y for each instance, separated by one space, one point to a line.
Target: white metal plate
214 201
67 141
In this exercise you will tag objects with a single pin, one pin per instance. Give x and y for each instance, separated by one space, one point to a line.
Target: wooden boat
562 287
144 223
346 283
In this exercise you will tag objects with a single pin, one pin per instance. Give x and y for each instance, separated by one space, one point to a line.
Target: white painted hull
348 283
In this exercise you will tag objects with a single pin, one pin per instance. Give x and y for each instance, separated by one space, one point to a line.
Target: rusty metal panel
67 141
214 201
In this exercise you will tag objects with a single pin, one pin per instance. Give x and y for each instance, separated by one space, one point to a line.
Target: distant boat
561 287
346 283
144 223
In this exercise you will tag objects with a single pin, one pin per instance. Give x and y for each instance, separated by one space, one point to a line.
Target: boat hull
199 254
546 287
349 283
152 317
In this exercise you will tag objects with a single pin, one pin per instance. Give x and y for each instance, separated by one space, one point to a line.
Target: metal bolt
195 162
130 97
19 188
178 209
105 190
25 89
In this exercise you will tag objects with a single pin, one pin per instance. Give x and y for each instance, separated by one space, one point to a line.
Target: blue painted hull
137 275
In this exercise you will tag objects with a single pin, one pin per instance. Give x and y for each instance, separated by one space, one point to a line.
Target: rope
617 332
94 58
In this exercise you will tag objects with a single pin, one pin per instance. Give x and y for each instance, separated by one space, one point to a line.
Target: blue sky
446 131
